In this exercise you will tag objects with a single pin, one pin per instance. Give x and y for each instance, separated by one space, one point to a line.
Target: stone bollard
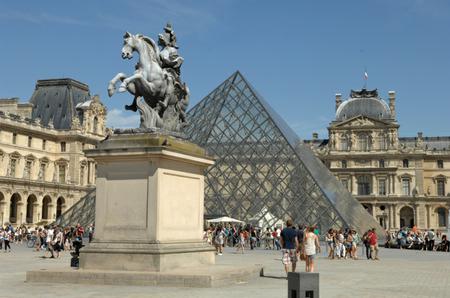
303 285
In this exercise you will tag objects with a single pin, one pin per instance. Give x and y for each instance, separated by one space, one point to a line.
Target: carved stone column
394 216
3 212
354 185
428 216
389 216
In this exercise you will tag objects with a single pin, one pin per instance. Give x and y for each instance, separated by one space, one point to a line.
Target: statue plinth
149 204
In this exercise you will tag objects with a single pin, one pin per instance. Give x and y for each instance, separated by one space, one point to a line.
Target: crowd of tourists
344 244
50 239
414 238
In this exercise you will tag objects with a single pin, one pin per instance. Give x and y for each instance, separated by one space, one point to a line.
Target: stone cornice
26 183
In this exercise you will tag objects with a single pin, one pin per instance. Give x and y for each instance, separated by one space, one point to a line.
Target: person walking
219 237
367 244
7 237
311 246
373 242
289 245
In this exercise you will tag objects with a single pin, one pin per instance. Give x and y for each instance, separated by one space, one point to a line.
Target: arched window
30 208
45 207
15 199
59 206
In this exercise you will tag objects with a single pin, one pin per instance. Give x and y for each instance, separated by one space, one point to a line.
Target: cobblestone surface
397 274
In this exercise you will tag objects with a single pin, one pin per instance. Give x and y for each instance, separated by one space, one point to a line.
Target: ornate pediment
362 121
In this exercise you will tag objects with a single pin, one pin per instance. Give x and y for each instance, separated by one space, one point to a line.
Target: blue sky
297 54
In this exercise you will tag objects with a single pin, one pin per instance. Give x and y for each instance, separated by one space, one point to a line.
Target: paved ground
398 274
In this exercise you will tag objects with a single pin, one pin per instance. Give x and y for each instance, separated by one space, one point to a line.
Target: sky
297 54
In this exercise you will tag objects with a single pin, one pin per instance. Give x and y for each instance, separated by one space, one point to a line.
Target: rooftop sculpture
159 94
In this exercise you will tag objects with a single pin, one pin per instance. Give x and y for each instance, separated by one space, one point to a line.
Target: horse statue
159 94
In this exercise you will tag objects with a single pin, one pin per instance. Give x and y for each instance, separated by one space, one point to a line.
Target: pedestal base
138 256
197 277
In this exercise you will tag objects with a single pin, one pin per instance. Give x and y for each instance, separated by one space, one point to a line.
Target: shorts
289 256
310 257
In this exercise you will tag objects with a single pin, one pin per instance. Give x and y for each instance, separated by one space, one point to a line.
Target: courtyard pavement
398 274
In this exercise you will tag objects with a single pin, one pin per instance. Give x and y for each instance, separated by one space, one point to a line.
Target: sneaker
220 254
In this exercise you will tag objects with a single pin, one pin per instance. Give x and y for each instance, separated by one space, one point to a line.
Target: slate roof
373 107
55 100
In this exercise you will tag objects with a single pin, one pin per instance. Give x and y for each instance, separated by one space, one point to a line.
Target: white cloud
118 119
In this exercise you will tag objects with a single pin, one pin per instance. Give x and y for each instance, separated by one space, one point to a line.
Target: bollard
303 285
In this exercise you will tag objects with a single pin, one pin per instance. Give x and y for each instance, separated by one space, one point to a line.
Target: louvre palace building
43 169
400 181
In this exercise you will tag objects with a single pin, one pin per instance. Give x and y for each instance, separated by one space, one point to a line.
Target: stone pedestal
149 219
149 205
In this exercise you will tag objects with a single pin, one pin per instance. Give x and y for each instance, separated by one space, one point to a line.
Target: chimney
338 100
392 103
315 136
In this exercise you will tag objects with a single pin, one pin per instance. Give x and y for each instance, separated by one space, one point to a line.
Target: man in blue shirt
289 245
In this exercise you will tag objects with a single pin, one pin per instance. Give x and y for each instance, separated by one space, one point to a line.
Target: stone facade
401 181
43 170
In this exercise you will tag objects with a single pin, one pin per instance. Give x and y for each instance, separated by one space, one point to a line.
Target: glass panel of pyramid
263 173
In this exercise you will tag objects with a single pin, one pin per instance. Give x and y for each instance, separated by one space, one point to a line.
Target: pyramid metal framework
82 212
263 173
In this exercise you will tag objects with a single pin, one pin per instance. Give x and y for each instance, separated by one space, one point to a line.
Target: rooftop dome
363 103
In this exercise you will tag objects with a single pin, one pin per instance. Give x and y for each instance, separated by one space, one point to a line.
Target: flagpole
366 77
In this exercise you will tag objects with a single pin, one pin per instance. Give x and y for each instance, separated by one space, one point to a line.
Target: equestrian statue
159 94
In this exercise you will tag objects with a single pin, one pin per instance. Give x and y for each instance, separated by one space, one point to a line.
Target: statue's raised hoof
132 107
122 89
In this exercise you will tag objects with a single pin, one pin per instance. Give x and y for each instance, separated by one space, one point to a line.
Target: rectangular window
382 141
12 167
381 163
62 173
364 185
14 138
406 163
27 170
344 145
29 141
363 144
44 143
406 186
440 164
345 183
41 175
63 146
82 175
441 187
344 164
382 187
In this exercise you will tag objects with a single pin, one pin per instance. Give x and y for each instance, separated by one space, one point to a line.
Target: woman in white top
311 245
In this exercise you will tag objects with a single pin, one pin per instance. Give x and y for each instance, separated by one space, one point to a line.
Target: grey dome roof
373 107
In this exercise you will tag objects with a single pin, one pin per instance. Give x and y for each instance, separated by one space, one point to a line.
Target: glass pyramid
263 173
82 212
